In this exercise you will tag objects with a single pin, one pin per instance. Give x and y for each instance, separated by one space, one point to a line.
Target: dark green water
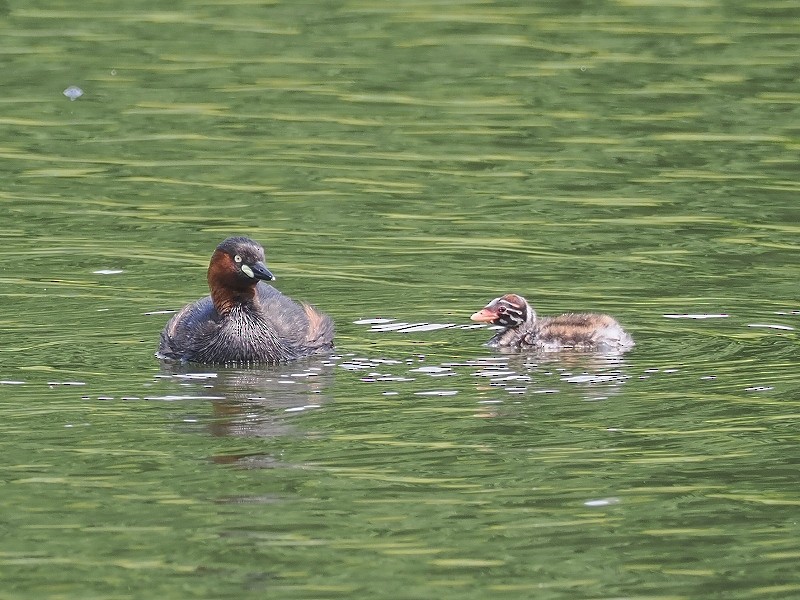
409 161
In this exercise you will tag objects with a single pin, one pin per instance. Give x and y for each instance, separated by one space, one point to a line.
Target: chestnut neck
228 289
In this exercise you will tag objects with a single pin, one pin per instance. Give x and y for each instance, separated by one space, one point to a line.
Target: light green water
409 161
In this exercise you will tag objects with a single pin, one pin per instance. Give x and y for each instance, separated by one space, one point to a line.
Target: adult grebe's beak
259 270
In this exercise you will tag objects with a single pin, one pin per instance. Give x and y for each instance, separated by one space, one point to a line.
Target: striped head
508 311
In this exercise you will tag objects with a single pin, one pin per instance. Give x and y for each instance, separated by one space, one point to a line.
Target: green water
408 161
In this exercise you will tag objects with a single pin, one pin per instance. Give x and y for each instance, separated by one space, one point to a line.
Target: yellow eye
237 258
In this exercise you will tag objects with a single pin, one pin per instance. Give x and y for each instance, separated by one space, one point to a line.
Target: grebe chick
244 320
523 329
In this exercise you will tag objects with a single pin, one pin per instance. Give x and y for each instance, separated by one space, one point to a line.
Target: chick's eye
237 258
501 310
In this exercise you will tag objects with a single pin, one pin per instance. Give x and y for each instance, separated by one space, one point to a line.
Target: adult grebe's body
244 320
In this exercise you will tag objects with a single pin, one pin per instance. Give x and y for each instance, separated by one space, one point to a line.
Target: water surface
406 162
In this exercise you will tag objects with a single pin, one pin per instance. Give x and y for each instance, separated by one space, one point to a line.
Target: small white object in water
602 502
701 316
430 369
73 92
768 326
372 321
492 373
425 327
108 271
195 376
393 326
176 398
589 378
301 408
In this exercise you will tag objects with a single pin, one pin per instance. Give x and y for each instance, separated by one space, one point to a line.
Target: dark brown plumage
523 329
244 320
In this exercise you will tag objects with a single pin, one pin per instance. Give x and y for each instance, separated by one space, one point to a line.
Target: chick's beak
484 316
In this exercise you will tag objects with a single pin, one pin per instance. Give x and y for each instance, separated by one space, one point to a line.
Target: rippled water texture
403 163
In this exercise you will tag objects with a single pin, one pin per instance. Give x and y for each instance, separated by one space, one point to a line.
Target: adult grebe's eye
237 258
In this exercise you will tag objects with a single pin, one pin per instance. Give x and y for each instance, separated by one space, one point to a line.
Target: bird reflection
255 402
597 375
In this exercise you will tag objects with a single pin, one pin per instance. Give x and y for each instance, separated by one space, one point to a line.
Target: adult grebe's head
236 267
509 311
238 263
